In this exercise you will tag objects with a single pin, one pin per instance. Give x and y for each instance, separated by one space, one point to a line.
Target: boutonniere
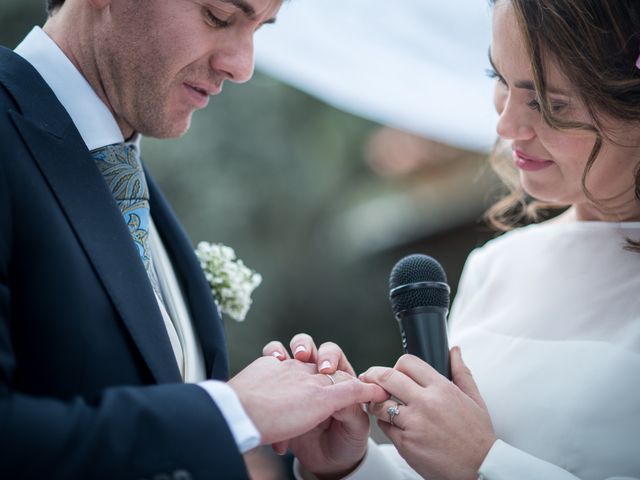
231 281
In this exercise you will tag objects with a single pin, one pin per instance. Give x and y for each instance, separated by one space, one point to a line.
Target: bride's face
551 162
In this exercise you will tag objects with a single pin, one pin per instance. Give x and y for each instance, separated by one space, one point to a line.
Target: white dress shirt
98 128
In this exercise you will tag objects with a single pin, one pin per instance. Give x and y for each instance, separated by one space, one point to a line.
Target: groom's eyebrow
248 10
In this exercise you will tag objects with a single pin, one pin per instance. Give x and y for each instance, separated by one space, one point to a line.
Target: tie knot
122 170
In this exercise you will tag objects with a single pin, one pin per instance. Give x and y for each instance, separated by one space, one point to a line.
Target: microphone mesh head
414 269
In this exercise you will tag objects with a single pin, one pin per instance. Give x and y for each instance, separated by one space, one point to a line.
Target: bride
547 315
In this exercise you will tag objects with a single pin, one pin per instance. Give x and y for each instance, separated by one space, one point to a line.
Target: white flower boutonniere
231 282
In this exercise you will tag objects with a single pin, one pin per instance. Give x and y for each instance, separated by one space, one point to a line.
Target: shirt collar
90 115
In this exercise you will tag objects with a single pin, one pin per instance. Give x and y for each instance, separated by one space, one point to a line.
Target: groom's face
161 60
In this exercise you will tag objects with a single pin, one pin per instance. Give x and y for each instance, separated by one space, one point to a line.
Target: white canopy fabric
417 65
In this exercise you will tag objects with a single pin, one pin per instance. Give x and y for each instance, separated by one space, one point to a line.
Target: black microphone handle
424 334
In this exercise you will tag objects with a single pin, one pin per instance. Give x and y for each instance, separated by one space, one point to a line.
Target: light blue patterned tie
122 170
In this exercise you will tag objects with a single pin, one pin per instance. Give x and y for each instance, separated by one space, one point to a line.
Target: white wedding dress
548 319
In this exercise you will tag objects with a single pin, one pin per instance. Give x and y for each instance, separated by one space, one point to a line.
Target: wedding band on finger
393 411
333 381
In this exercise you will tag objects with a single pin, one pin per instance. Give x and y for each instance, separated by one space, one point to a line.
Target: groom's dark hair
53 5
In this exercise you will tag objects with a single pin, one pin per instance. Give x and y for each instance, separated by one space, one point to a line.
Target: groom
112 354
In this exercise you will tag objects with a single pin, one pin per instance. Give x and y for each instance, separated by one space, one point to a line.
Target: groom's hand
286 399
337 445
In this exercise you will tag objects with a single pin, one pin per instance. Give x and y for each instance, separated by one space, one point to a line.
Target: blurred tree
17 17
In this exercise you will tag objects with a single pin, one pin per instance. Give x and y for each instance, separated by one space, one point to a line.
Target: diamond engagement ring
393 411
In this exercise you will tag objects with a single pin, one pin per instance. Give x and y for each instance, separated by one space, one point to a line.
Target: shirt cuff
504 462
242 428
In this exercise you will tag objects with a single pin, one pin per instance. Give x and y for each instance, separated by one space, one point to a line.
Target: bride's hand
336 446
442 428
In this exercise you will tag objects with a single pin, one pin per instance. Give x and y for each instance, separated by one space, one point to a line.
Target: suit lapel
88 204
204 314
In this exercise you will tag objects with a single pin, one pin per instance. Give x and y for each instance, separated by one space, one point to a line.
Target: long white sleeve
505 462
548 320
381 462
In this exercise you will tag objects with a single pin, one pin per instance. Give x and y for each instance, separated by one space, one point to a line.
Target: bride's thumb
463 378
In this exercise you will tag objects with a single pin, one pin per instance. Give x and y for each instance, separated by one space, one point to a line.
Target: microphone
419 296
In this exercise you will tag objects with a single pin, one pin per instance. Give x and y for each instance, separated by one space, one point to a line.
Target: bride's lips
529 163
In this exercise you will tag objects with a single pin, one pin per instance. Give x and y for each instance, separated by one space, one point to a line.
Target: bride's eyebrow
528 84
493 65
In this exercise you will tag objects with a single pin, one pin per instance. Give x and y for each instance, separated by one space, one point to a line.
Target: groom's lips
199 93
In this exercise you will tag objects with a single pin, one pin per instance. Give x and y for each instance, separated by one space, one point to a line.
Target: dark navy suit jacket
89 387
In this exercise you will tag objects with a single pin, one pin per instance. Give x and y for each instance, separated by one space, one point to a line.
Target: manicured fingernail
300 348
276 354
326 364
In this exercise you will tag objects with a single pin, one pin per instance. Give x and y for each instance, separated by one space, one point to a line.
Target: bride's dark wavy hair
596 44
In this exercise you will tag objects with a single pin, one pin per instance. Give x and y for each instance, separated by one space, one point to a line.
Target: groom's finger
332 358
393 381
303 348
344 394
275 349
340 376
